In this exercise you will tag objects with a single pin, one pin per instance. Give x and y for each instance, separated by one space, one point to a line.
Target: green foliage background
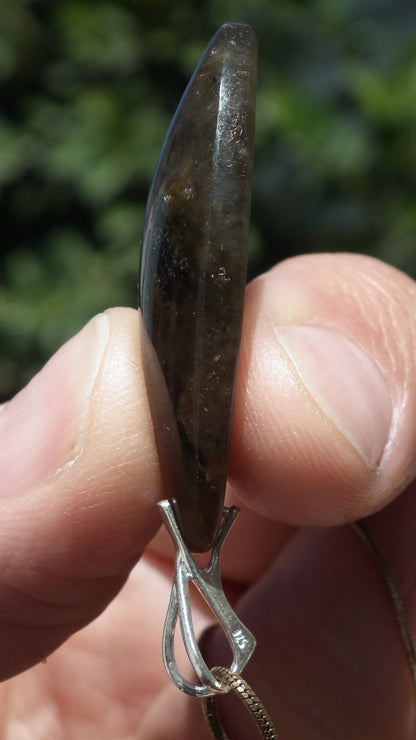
87 90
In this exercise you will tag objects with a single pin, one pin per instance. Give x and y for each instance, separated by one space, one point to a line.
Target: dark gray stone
193 271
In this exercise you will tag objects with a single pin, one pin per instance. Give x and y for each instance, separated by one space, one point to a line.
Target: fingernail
44 427
345 384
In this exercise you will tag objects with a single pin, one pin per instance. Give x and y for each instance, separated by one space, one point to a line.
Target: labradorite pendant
193 269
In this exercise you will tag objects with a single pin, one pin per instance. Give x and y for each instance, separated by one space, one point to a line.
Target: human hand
324 434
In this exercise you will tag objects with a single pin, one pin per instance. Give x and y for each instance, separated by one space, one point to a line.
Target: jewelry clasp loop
208 582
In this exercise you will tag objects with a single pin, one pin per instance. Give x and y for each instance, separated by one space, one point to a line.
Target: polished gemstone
193 271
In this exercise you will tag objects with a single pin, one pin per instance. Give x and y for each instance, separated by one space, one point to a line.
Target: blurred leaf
86 95
102 38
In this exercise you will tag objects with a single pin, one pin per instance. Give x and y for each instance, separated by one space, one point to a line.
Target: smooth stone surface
193 271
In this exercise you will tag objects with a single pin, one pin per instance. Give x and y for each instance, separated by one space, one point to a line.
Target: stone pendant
193 270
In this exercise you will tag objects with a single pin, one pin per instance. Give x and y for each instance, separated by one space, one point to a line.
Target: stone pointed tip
236 34
240 30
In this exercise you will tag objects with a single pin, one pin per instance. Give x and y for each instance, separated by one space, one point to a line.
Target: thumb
325 430
79 479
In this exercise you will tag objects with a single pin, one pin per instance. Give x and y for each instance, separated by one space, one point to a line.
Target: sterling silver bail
208 582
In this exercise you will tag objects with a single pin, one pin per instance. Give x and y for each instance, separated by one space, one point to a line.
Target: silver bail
208 582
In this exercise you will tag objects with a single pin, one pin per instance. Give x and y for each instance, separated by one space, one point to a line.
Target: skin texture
325 432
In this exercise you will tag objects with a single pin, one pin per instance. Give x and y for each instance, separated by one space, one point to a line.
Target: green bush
87 91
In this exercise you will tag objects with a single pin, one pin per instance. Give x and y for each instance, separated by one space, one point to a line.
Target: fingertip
75 524
114 481
323 430
287 459
86 414
43 427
